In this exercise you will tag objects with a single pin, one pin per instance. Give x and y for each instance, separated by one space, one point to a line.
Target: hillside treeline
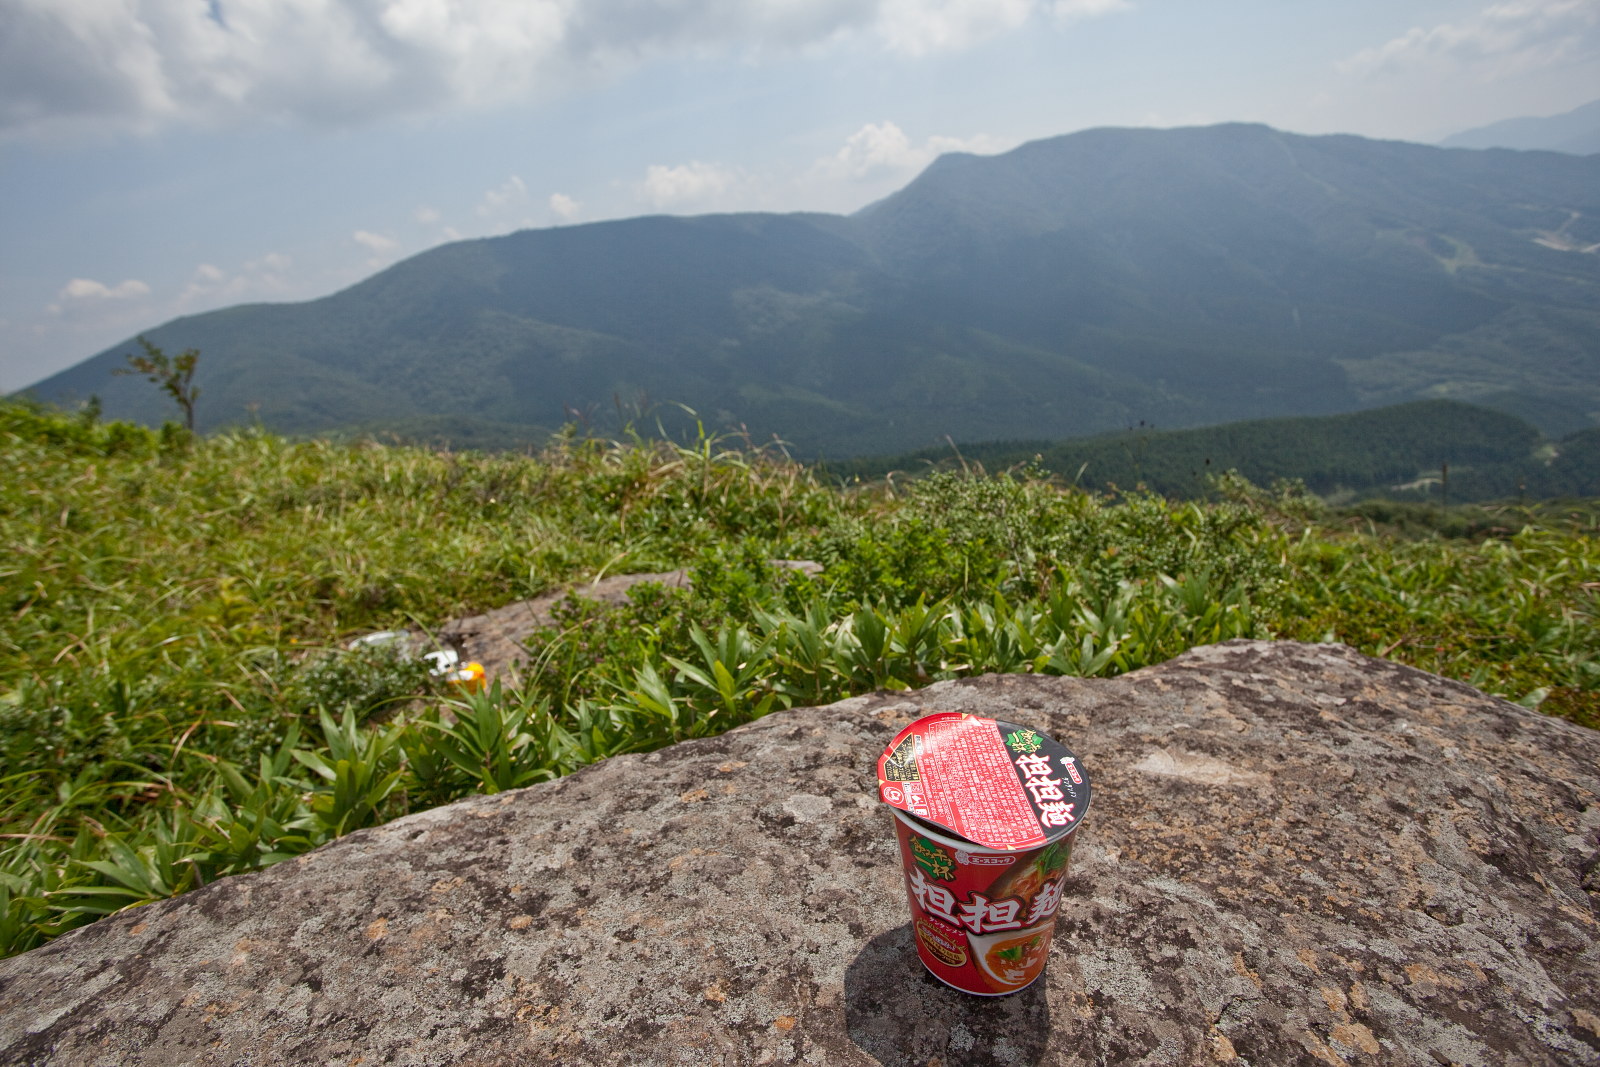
1424 450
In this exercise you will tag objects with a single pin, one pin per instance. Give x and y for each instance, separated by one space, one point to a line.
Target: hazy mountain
1071 286
1577 131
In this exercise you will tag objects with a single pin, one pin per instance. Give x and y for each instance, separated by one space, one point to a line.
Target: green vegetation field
178 701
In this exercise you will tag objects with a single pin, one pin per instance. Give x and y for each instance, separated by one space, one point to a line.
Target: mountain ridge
1576 132
1071 286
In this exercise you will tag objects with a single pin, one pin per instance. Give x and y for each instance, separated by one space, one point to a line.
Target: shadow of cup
899 1014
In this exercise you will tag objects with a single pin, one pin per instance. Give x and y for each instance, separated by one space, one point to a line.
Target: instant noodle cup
985 813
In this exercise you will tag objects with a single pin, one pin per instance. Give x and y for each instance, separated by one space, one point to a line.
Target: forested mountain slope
1440 450
1072 286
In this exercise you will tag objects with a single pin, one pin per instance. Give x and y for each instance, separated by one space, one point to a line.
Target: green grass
177 701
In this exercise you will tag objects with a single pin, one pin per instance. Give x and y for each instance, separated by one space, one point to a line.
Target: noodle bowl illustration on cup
985 814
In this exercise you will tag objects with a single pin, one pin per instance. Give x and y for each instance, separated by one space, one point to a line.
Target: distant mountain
1404 451
1071 286
1576 131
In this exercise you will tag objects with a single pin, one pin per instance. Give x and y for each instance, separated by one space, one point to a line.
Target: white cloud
917 27
141 64
874 146
880 148
508 194
88 289
377 242
84 302
688 184
267 278
1167 120
426 215
1073 10
381 246
564 207
1503 38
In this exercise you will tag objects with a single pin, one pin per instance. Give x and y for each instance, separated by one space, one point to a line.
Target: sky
161 158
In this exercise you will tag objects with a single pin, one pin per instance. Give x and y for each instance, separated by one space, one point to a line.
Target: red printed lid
995 783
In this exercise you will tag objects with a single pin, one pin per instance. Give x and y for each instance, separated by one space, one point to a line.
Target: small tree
174 374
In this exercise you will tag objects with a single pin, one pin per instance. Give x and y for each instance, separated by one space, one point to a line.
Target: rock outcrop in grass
1297 854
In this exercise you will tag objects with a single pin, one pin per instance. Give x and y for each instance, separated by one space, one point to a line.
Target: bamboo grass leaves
178 701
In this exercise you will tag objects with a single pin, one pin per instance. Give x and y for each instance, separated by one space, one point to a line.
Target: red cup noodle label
996 783
989 812
983 923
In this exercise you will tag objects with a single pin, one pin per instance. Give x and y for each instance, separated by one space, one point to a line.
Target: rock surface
1297 855
496 639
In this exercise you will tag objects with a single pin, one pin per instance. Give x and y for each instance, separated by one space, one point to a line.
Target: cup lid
996 783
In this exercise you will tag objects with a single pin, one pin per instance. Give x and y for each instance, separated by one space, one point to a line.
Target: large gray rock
1296 854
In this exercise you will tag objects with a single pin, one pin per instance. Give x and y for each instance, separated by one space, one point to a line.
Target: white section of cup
979 944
